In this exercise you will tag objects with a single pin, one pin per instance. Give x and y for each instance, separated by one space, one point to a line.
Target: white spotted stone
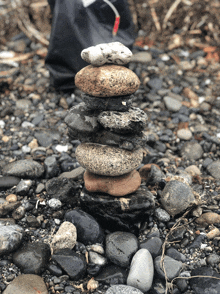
115 53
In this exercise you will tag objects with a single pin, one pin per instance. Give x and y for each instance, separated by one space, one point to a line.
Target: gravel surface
41 185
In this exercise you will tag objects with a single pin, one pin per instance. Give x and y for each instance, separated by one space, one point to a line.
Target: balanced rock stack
109 128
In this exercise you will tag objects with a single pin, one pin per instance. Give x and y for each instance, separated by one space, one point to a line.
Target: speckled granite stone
106 160
115 186
108 80
132 121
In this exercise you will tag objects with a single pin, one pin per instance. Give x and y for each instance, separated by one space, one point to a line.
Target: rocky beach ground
42 191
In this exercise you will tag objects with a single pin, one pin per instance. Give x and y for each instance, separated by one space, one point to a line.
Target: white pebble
61 148
26 149
54 203
2 124
27 124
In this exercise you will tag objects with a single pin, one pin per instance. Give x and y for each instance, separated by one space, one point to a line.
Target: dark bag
76 27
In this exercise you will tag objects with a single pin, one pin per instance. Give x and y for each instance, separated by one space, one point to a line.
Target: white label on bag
87 2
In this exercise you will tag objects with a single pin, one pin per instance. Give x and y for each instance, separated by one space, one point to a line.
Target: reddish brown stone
107 81
145 170
115 186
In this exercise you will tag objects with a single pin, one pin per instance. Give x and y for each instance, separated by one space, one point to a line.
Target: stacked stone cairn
110 130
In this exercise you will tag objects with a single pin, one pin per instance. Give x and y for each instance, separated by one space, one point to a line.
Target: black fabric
74 28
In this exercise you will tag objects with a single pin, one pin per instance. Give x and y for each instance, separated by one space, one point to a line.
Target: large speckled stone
107 80
132 121
106 160
100 54
115 186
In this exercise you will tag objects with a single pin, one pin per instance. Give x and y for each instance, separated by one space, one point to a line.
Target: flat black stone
128 141
119 213
109 103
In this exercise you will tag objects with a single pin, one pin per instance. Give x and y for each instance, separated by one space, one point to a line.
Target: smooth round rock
122 289
184 134
65 237
172 267
214 169
172 104
120 247
32 258
108 80
153 245
100 54
176 197
115 186
141 271
192 150
27 284
106 160
132 121
88 230
7 182
24 169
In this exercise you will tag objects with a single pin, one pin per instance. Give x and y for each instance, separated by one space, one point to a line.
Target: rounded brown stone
115 186
145 171
107 80
107 160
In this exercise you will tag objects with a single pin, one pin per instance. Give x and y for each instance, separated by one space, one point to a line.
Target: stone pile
111 133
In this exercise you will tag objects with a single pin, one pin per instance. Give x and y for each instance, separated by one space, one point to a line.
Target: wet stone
32 258
153 245
88 229
128 142
81 120
120 247
24 169
132 121
27 284
107 160
204 285
10 238
7 182
175 254
71 262
214 169
176 197
122 212
112 275
172 267
23 187
63 189
46 138
108 80
51 167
